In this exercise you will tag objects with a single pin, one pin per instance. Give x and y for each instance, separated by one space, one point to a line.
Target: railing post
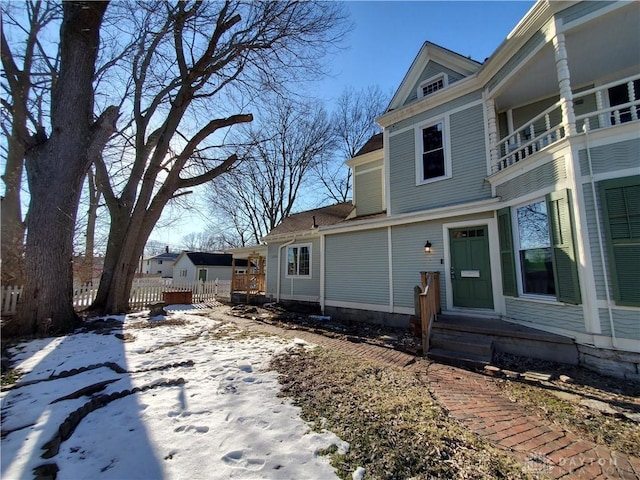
632 97
429 305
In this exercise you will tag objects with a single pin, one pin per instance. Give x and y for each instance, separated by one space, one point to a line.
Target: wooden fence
143 292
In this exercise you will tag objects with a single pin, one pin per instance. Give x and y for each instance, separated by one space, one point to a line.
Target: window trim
446 145
433 79
286 261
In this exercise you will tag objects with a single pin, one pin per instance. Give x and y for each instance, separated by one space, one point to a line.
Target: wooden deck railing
429 305
252 281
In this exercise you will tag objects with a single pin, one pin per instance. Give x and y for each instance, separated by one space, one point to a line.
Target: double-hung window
299 261
433 162
534 249
537 250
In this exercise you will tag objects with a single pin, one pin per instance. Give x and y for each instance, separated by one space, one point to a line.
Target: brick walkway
476 401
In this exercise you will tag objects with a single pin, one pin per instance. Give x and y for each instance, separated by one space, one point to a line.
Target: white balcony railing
548 128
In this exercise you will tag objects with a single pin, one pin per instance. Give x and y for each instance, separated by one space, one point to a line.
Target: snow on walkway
225 421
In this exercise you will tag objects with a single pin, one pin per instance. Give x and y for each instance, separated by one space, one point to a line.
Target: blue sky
388 35
386 38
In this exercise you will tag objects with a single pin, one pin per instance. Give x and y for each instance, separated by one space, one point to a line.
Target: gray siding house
523 175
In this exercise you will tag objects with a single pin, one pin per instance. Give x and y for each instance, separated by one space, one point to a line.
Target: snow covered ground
224 421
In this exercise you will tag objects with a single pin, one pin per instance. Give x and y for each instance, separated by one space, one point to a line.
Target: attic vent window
432 85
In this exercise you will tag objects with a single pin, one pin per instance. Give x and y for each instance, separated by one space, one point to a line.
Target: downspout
280 266
586 129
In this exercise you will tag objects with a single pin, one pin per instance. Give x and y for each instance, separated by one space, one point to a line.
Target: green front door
202 274
471 267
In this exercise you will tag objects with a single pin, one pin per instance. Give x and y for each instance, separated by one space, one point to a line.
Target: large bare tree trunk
55 171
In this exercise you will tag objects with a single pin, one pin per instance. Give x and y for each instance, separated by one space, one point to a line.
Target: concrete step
463 343
459 359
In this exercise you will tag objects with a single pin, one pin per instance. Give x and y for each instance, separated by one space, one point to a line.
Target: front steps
470 342
460 349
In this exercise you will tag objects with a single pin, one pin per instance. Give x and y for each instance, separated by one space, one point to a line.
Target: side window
620 203
537 251
433 161
299 261
534 249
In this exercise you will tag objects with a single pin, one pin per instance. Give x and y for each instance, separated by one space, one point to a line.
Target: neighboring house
203 266
522 174
160 265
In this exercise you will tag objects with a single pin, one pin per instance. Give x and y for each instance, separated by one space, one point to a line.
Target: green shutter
507 260
565 270
620 201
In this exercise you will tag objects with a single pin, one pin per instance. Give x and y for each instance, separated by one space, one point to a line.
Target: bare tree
353 124
288 142
193 59
204 242
28 73
93 202
56 165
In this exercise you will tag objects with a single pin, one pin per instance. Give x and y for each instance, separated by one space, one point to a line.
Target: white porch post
492 128
566 97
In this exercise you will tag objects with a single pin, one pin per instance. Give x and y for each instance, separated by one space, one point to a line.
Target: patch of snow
358 474
225 421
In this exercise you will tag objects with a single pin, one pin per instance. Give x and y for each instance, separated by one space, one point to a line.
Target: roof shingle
303 221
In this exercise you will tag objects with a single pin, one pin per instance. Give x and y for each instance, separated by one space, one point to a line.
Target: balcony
604 106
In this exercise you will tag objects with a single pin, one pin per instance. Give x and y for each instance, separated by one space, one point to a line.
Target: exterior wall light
427 247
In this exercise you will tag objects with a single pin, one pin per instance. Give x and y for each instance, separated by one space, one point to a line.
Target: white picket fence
143 292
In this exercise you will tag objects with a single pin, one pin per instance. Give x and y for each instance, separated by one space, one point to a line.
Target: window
620 95
538 255
536 265
620 200
159 262
433 162
432 85
183 273
299 261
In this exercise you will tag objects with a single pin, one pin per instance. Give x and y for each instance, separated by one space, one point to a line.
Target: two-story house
517 179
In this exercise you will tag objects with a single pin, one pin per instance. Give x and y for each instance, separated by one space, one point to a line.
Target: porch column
492 128
566 97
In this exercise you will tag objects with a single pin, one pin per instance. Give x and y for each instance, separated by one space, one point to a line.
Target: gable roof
431 52
373 144
307 220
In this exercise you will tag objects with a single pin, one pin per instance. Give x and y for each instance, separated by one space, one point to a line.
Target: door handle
453 273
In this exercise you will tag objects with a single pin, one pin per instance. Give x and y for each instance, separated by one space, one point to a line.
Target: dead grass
395 428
